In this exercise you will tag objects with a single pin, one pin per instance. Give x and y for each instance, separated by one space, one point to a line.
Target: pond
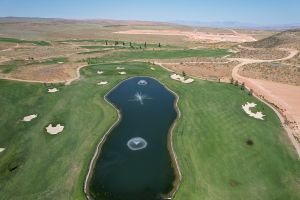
134 162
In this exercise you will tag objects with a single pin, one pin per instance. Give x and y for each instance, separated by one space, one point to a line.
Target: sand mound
247 108
102 83
120 68
29 118
100 72
53 130
181 78
2 149
122 73
52 90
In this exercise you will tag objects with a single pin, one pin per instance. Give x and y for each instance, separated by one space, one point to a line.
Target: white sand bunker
53 130
102 83
181 78
122 73
100 72
52 90
136 143
60 62
2 149
29 117
120 68
152 68
247 108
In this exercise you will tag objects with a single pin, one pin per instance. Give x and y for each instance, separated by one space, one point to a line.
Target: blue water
146 173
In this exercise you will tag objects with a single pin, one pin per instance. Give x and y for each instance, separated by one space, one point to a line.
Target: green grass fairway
159 54
209 138
15 40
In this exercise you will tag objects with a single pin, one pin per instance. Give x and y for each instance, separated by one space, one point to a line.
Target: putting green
209 139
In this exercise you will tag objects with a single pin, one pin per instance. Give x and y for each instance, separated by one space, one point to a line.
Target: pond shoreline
97 152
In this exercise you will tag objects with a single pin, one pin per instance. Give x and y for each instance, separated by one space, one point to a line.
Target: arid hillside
285 39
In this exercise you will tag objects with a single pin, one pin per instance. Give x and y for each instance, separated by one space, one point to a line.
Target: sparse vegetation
15 40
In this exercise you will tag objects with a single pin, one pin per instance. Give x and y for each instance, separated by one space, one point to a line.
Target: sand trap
102 83
181 78
29 118
120 68
152 68
247 108
100 72
60 62
122 73
52 90
53 130
2 149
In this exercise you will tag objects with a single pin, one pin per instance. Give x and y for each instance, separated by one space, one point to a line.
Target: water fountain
136 143
142 82
139 97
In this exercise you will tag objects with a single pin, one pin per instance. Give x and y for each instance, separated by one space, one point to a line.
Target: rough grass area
10 66
15 40
159 54
209 139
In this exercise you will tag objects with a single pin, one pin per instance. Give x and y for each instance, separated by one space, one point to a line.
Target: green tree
243 86
183 73
231 81
236 83
250 92
159 45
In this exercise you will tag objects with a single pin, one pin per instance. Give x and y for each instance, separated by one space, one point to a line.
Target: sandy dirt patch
29 117
181 78
2 149
52 90
195 36
247 108
54 130
102 83
204 70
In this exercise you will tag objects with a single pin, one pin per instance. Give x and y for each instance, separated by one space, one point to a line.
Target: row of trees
130 44
236 83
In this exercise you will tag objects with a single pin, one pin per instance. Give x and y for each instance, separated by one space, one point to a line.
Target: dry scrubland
276 72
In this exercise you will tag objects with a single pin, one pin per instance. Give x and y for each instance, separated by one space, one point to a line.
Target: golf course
222 152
